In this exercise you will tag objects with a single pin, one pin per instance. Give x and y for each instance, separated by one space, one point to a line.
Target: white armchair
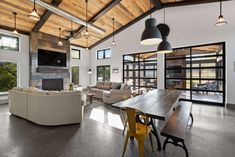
114 96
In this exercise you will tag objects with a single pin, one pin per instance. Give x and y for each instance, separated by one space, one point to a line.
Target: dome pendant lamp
15 32
34 15
151 35
60 43
113 43
86 34
221 21
164 47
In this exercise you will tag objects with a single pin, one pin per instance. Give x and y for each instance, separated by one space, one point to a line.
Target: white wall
21 58
190 25
83 64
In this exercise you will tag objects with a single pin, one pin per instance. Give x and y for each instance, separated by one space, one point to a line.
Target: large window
140 70
103 73
104 54
198 71
8 76
75 75
8 42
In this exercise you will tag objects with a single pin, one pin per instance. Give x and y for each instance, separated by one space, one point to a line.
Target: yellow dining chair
137 130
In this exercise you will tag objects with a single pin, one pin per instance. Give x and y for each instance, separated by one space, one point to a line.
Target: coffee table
90 96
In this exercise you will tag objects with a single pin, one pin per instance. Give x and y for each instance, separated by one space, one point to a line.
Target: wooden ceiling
100 13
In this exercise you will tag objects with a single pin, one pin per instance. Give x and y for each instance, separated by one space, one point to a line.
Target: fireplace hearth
52 84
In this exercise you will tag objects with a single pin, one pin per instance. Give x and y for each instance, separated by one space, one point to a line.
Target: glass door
198 71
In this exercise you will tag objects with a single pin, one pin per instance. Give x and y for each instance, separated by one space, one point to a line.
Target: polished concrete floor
100 135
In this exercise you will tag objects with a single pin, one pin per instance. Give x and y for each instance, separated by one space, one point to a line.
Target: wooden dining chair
137 130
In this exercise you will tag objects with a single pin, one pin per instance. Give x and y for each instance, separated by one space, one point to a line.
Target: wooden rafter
157 4
45 16
108 7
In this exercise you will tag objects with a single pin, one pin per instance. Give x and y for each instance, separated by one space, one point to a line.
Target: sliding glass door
198 71
140 71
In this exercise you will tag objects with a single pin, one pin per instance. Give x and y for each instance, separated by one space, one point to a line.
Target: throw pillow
107 85
124 86
118 87
99 84
115 85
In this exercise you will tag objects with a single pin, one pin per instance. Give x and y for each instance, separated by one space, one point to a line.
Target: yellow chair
137 130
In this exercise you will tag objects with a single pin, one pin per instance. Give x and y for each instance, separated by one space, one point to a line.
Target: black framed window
104 54
198 71
103 73
8 42
75 53
140 70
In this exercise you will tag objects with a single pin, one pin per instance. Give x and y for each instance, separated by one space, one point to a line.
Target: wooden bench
175 128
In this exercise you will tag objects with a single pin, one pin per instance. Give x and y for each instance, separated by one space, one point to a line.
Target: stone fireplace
48 77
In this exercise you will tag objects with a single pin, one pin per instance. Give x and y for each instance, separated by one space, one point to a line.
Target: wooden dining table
156 104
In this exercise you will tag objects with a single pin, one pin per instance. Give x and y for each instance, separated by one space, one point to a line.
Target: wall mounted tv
51 58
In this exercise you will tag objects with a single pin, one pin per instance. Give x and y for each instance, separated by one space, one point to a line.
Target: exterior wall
21 58
190 25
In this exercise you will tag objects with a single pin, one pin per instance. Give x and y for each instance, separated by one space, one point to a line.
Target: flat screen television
51 58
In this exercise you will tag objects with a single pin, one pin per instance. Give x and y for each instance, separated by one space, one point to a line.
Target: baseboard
230 106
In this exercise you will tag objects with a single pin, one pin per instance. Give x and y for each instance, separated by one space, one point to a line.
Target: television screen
51 58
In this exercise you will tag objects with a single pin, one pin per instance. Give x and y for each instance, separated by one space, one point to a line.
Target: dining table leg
156 134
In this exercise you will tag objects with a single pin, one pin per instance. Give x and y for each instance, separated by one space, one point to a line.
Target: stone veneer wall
47 42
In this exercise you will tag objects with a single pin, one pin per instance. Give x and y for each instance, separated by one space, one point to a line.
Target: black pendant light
164 46
15 32
60 43
113 43
34 15
89 71
86 34
221 21
151 35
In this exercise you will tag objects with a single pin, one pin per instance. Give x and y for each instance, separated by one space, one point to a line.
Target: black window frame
223 67
104 51
79 52
103 66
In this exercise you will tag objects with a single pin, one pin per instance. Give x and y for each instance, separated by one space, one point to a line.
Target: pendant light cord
14 19
113 29
34 5
86 13
220 7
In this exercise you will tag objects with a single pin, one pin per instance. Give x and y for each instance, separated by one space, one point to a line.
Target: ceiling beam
108 7
125 26
157 4
45 16
68 15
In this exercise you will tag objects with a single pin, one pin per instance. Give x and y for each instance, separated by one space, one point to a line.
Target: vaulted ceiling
100 13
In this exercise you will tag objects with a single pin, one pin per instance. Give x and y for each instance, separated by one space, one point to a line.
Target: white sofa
114 96
47 108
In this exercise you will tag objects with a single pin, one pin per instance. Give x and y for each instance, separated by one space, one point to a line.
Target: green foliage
8 76
75 75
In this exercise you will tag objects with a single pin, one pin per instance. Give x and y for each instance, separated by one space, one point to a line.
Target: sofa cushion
17 88
106 86
99 84
115 85
125 86
29 89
